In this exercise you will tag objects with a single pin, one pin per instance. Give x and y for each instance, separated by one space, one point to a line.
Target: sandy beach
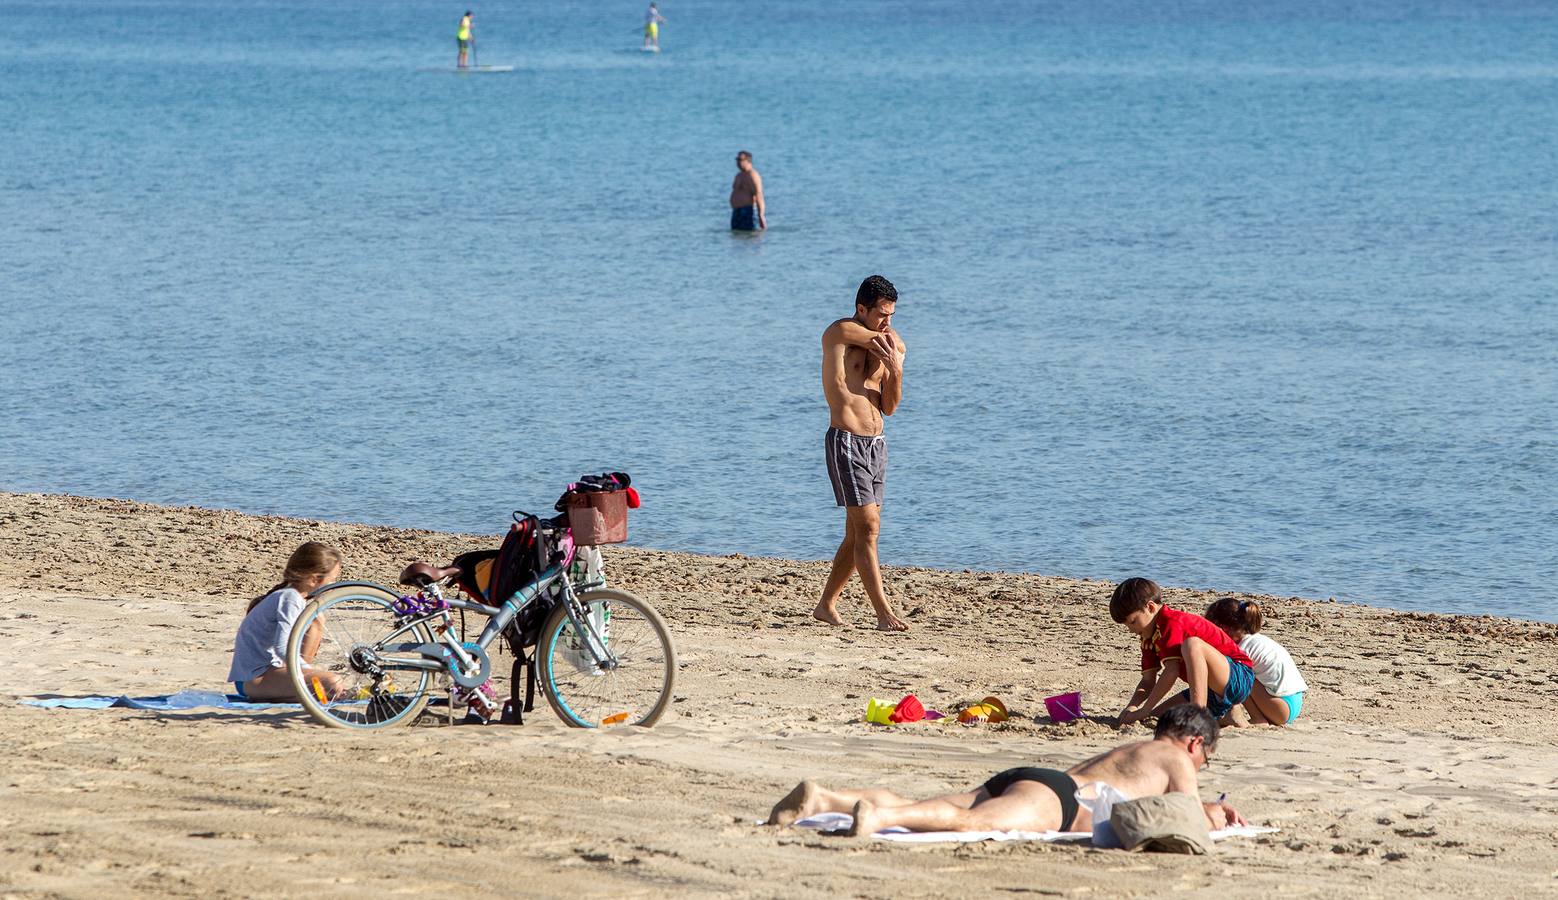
1424 761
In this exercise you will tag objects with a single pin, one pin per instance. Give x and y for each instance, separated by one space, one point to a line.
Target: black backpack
493 576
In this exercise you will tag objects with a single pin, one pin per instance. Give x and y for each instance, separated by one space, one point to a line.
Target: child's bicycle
363 656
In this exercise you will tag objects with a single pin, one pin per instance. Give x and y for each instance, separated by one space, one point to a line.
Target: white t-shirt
1274 666
261 644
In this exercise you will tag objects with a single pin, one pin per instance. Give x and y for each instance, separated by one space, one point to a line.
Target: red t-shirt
1170 629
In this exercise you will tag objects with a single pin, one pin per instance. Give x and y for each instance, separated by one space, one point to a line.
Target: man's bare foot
801 802
890 622
828 615
865 820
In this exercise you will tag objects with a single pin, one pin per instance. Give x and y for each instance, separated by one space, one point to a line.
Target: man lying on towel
1032 799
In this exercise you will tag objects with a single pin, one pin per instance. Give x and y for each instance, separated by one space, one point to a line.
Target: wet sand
1424 761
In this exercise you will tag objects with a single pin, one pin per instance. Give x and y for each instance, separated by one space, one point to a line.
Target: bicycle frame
449 654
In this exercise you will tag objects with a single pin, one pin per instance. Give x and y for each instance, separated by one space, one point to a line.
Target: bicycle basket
598 517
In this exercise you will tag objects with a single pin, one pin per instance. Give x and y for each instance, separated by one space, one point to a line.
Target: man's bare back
1142 769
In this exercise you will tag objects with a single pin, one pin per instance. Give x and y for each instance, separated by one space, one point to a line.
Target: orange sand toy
990 709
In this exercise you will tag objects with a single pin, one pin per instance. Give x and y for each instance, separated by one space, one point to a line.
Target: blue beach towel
167 703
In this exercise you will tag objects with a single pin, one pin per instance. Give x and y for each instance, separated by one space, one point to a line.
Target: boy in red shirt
1183 645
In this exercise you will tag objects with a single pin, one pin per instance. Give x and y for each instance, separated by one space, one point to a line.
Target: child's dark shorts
1240 682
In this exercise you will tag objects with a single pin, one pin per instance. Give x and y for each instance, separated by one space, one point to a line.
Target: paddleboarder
652 20
464 38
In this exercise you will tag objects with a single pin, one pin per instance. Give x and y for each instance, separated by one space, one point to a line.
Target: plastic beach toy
1064 707
909 709
990 709
879 713
976 713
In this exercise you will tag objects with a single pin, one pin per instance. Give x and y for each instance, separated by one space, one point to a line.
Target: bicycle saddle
422 574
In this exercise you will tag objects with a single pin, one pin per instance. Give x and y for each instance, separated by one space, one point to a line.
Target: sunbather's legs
1206 670
1025 806
809 798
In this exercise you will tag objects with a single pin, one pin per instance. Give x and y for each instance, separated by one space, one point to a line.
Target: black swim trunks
744 218
1063 785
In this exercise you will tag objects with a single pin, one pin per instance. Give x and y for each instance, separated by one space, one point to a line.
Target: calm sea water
1244 296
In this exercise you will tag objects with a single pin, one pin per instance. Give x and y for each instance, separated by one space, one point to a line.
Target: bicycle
363 656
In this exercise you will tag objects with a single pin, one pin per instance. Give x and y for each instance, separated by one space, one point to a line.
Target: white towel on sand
828 823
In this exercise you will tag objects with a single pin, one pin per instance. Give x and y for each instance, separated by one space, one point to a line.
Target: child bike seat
422 574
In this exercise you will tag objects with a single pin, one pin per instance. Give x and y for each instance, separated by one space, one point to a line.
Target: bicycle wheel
352 681
633 689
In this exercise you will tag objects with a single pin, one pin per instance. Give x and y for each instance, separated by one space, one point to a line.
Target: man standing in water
862 379
746 197
652 20
463 38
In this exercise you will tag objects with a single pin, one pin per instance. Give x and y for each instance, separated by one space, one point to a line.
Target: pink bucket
1064 707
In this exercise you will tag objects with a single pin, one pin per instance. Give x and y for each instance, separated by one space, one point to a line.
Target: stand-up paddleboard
469 70
650 49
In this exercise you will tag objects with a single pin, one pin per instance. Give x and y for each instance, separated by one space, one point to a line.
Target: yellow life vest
465 28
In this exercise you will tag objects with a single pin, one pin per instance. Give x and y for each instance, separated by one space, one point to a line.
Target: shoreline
1486 620
1423 761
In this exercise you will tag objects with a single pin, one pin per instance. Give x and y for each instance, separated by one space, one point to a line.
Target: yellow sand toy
878 712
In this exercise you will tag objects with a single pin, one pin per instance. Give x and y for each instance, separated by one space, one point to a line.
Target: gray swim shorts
857 466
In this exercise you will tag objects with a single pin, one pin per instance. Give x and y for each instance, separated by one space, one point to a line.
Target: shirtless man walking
746 197
1032 799
862 379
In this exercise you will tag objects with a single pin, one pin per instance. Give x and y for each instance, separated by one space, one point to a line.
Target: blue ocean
1237 296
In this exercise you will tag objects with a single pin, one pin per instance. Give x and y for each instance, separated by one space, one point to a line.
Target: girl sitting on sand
260 651
1278 694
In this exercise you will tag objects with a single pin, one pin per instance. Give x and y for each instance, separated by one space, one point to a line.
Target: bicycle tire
354 608
584 696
